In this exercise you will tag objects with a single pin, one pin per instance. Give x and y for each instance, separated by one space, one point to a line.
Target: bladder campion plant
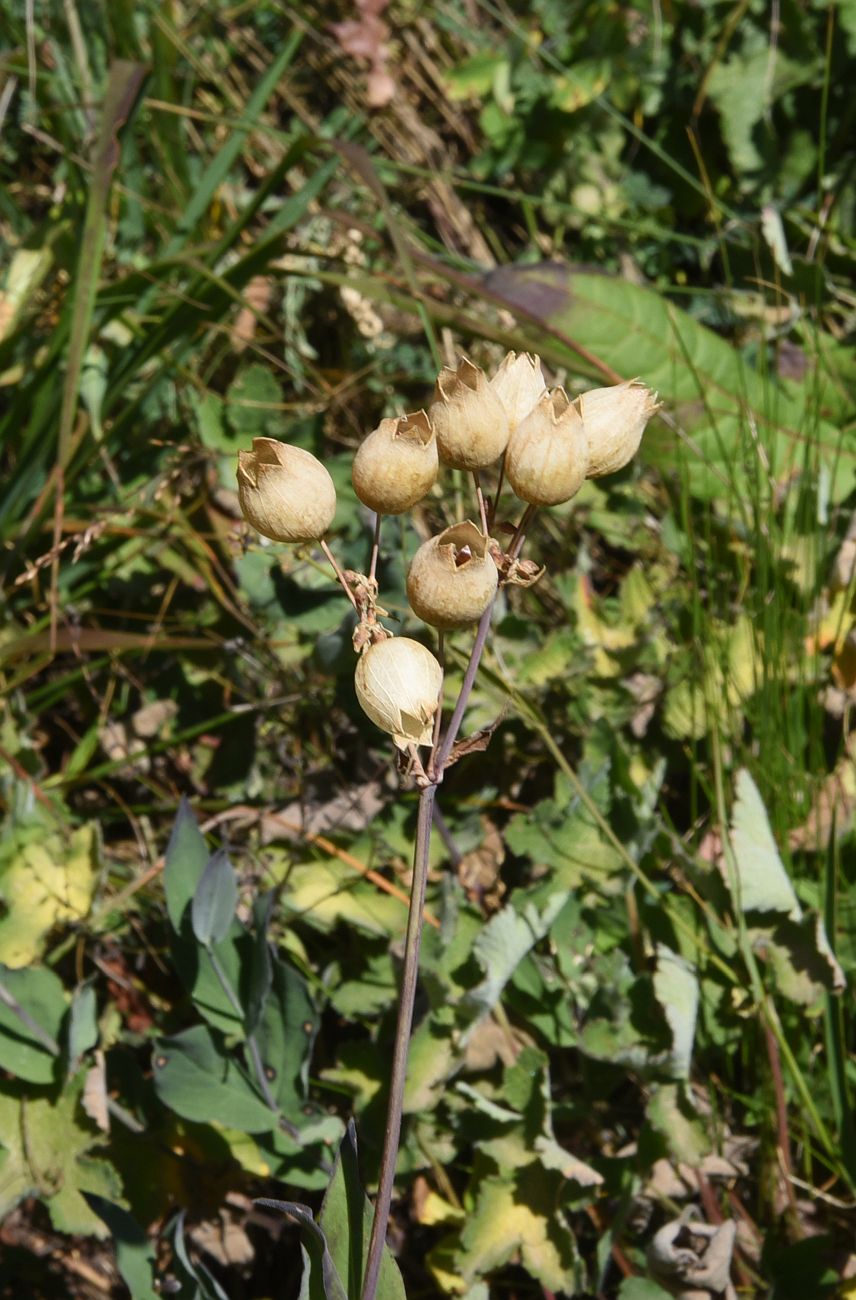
547 446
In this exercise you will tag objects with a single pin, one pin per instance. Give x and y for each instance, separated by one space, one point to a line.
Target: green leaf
260 967
671 1112
48 878
639 1288
214 900
82 1023
346 1219
285 1036
135 1255
502 945
208 1286
197 1079
32 1007
676 987
320 1280
519 1217
46 1153
762 883
709 388
186 857
252 401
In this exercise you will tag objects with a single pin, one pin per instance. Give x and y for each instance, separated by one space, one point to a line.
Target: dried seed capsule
398 686
615 419
519 385
396 464
452 578
469 419
547 455
285 492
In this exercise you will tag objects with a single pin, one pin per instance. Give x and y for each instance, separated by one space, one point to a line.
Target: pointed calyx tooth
452 578
547 456
398 685
519 385
615 418
470 421
397 464
285 493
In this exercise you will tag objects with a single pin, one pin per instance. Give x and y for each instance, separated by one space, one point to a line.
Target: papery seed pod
452 578
615 419
519 385
547 454
285 492
398 686
396 464
469 420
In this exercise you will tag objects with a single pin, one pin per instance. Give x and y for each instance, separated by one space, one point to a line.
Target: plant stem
375 548
441 757
520 533
402 1043
338 572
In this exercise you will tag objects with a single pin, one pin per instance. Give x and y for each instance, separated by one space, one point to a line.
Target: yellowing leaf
325 894
520 1218
44 883
46 1153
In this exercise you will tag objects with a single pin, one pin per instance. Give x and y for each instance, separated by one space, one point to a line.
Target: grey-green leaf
32 1007
195 1077
762 883
214 900
186 856
135 1256
346 1218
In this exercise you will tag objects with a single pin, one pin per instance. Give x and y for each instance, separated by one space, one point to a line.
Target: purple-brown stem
402 1042
338 572
412 944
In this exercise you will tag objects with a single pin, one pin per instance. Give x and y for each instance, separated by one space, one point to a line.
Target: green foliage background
642 934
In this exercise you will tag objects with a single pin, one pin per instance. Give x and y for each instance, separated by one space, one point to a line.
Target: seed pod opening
398 686
452 578
397 464
615 419
469 419
519 385
547 455
285 492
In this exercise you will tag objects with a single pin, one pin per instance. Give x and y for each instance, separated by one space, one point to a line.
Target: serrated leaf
762 883
186 856
46 1152
47 881
519 1217
24 1050
196 1077
502 945
325 894
214 900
